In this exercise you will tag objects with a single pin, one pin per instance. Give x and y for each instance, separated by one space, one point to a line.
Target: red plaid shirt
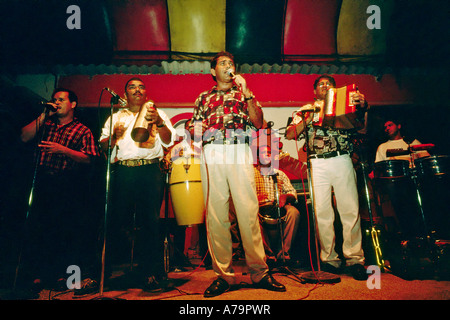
265 186
73 135
218 108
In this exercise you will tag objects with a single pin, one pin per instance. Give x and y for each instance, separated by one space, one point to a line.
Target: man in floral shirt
224 117
332 170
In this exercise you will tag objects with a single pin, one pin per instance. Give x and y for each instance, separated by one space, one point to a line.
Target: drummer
396 148
183 146
265 188
406 218
187 148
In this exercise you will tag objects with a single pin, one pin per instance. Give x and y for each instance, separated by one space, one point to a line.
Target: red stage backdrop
272 90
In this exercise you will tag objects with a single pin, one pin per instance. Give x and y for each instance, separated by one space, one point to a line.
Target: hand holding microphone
231 73
49 106
240 81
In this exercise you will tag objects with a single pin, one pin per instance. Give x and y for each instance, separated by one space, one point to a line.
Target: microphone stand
166 223
114 100
418 194
373 231
30 197
430 240
314 276
281 227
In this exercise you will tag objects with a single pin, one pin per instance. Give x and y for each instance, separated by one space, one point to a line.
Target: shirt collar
215 90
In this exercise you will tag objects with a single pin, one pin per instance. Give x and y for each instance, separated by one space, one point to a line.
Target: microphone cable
306 200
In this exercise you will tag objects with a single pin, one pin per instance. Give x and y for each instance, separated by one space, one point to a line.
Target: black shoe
326 267
88 286
358 272
60 285
271 262
27 291
269 283
216 288
152 285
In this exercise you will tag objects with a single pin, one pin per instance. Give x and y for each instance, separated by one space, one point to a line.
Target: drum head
433 166
391 169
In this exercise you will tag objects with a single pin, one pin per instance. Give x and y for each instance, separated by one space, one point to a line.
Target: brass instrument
141 130
373 231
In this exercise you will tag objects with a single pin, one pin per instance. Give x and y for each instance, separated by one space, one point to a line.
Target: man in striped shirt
58 216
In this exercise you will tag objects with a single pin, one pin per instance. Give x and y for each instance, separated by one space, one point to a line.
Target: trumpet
141 130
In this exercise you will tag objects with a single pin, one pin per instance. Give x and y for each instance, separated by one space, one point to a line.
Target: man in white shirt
396 142
137 185
399 189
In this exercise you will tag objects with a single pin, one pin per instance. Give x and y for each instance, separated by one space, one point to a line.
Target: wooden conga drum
185 185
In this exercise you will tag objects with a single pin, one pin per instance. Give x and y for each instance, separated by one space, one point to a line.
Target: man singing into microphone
332 169
61 224
227 169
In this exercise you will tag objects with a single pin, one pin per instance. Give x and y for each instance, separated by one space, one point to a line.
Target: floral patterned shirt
222 110
323 140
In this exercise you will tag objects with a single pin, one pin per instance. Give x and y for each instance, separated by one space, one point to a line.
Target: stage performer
332 170
224 117
137 184
60 212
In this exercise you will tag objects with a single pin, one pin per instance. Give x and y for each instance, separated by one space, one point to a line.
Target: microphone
231 73
48 106
121 101
310 109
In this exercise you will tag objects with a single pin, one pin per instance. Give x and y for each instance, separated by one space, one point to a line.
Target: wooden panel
310 28
196 26
141 31
254 30
353 35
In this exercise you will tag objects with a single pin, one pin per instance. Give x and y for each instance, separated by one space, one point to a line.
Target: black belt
137 162
327 155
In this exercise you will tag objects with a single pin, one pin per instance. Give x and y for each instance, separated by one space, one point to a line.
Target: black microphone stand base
285 270
320 277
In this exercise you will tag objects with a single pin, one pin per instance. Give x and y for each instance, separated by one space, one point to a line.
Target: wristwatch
163 124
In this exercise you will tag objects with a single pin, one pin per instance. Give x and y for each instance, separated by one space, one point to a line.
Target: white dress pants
337 174
228 169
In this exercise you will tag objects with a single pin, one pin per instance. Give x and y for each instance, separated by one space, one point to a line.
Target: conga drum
185 185
393 182
391 169
434 181
433 166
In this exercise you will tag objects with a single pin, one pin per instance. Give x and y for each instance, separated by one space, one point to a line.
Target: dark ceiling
34 32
